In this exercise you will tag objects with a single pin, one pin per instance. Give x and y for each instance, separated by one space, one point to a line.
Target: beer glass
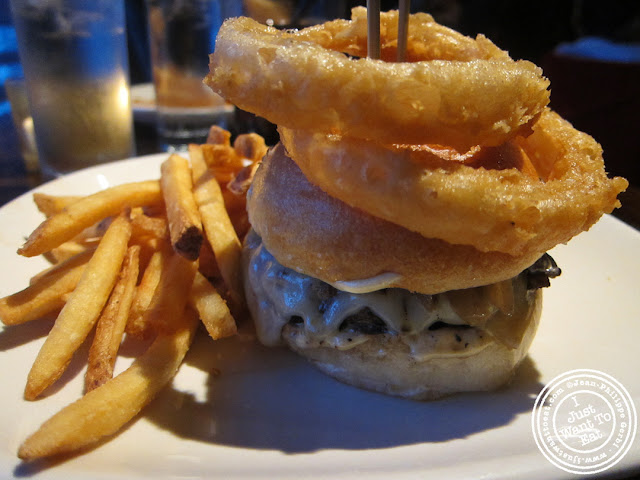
182 35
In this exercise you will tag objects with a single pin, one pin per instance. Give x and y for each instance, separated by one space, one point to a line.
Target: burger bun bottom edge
383 364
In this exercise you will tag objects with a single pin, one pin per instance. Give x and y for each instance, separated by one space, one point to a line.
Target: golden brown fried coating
491 209
456 91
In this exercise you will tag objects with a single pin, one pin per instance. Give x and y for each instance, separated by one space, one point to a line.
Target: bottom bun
383 364
392 341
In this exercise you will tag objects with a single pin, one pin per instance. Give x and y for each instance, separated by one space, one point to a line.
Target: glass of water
74 56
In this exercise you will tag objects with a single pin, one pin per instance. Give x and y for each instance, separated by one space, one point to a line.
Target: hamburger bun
384 363
311 232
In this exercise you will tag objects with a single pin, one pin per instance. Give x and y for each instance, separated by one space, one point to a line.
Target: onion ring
426 40
457 91
491 209
318 235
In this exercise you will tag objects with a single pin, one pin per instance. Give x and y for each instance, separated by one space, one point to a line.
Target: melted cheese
283 294
366 285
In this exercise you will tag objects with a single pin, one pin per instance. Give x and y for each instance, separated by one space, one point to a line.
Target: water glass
75 61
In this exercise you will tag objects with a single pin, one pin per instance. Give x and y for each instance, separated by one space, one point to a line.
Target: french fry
81 310
150 236
143 225
94 231
250 146
221 157
67 250
207 264
212 308
51 204
149 246
235 199
86 239
88 211
81 257
176 237
154 210
217 224
222 161
143 296
46 292
104 411
185 226
240 184
110 325
219 136
171 294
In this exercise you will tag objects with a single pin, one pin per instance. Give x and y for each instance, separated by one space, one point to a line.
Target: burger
344 268
365 331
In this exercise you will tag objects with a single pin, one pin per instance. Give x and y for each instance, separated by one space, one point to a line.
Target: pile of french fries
150 260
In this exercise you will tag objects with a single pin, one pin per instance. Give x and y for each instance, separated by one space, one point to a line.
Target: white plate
270 415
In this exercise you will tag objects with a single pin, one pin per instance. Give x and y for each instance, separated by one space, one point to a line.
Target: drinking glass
182 35
74 57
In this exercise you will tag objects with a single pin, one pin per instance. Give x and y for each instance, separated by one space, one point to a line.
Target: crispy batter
481 98
491 209
427 39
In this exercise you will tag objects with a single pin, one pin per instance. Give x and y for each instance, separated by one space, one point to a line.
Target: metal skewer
373 29
403 28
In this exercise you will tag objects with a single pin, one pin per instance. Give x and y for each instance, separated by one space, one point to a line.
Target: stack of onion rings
456 144
457 91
